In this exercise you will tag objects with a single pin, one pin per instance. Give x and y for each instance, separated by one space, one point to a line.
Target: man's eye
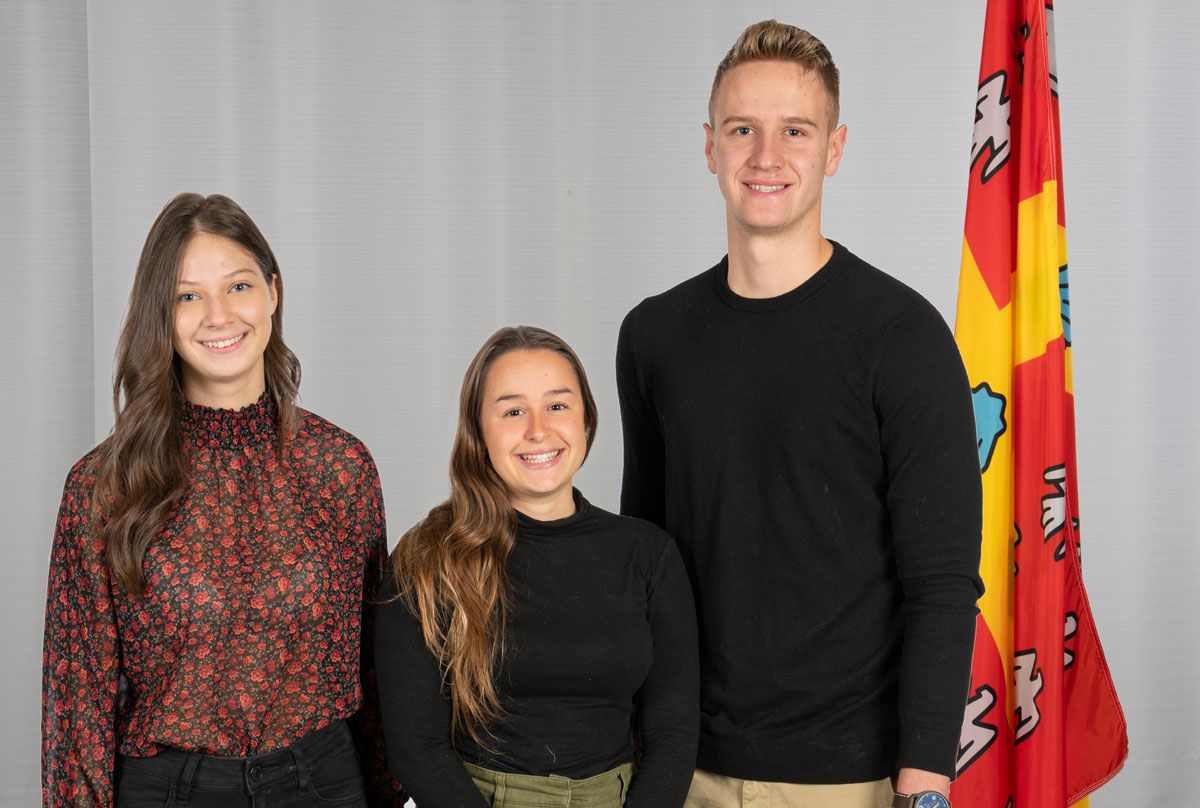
795 132
742 130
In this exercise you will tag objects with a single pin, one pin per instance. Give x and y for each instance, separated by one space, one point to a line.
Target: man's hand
910 781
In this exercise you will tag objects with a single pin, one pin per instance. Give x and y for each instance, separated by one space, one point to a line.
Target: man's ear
837 145
708 148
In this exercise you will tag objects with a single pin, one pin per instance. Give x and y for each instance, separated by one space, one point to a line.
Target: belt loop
186 778
301 769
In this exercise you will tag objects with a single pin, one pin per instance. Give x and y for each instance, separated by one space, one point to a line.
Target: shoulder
883 291
643 538
81 479
654 330
84 470
883 310
75 509
699 290
323 443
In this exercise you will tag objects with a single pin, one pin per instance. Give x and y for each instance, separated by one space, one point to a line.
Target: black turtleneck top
250 632
600 641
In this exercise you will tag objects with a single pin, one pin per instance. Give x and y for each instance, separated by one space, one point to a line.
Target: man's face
771 147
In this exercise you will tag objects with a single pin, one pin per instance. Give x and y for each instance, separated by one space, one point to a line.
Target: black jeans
320 769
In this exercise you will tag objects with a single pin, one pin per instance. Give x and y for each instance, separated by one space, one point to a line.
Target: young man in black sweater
801 424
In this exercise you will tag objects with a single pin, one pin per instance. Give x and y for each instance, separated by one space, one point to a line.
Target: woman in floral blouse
212 557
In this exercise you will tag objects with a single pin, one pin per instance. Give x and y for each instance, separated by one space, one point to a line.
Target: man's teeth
224 343
540 458
766 188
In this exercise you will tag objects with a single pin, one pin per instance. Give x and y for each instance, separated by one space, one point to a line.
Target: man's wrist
918 788
920 799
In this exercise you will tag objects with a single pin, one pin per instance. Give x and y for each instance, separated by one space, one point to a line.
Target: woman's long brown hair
141 469
450 567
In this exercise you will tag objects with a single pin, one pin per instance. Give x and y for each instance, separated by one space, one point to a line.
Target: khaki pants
717 791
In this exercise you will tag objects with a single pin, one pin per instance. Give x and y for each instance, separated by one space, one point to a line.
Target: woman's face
532 423
223 309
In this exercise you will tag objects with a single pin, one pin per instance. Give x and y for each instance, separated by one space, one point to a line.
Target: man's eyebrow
792 120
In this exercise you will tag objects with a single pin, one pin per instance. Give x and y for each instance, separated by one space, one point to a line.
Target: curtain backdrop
427 172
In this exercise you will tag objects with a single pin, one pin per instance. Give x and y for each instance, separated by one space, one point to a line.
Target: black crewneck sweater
600 640
813 455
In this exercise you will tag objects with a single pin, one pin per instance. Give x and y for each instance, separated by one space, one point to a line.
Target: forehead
767 90
210 254
530 371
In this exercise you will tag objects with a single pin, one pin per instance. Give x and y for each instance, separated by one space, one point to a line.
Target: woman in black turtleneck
531 637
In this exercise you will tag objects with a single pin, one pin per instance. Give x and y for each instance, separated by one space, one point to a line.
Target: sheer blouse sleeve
368 519
80 659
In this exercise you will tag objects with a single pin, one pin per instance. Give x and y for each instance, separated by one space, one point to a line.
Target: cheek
259 312
493 438
181 330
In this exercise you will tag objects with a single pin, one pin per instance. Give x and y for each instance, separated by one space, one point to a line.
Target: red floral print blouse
254 629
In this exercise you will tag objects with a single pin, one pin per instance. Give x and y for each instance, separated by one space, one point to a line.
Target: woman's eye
511 413
558 407
240 286
188 297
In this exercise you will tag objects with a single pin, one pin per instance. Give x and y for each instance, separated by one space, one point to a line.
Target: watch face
931 799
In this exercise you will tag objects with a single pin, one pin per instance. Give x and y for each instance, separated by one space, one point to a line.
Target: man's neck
763 266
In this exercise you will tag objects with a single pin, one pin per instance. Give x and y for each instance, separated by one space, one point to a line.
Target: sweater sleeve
643 485
80 661
416 714
934 499
668 703
366 725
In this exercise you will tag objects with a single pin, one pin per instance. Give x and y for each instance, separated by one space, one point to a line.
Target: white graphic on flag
1029 684
992 134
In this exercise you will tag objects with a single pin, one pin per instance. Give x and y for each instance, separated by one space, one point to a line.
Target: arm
416 715
668 704
927 431
80 660
366 724
643 486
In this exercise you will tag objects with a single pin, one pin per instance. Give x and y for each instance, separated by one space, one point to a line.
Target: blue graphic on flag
989 422
1064 304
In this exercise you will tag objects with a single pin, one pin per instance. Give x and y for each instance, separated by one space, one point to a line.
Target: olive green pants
505 790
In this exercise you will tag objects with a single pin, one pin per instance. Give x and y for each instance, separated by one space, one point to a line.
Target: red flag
1043 726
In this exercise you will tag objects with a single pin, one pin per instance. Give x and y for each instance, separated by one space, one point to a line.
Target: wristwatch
922 799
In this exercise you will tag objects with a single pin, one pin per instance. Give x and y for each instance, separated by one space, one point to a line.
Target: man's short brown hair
771 40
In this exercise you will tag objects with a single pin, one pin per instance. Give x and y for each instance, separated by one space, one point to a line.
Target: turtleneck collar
529 526
252 425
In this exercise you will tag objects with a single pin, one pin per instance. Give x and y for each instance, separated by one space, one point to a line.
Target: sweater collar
804 290
252 425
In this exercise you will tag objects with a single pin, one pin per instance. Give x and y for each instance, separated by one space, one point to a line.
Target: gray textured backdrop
428 172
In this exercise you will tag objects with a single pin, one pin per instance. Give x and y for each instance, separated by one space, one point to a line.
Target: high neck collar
252 425
553 527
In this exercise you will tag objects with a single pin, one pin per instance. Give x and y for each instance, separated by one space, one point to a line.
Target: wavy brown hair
141 469
450 567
